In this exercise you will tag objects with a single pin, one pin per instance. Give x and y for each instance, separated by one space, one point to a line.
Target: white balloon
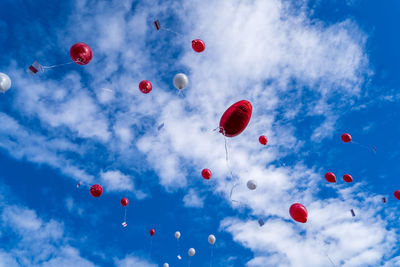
251 184
165 265
211 239
179 257
191 252
180 81
177 234
5 82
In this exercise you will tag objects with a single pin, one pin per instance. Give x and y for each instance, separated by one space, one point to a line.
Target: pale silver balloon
211 239
5 82
165 265
181 81
251 184
191 252
177 234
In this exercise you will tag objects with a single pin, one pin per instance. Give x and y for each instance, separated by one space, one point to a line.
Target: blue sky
311 69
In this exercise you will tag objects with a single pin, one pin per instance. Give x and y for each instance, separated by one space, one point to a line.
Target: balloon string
151 246
58 65
169 30
190 259
211 258
322 244
125 214
364 146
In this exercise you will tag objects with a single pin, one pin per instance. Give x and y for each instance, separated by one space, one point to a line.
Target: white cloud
192 199
116 181
132 260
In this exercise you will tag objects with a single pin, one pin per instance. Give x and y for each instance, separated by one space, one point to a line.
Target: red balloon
152 232
263 140
235 118
206 173
145 86
198 45
347 178
346 137
330 177
298 212
96 190
397 194
124 202
81 53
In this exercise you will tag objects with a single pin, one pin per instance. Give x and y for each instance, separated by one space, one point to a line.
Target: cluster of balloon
96 190
180 81
263 140
124 203
251 184
298 212
145 86
5 82
198 45
80 54
206 173
177 236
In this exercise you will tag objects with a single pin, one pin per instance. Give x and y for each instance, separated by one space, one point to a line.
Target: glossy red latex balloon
206 173
263 140
124 202
81 53
96 190
198 45
330 177
397 194
145 86
152 232
346 137
347 178
298 212
235 119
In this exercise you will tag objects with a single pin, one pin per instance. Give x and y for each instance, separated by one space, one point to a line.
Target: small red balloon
206 173
145 86
346 137
124 202
397 194
330 177
198 45
96 190
263 140
152 232
347 178
298 212
81 53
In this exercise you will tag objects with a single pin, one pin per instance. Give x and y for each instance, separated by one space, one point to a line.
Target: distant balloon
211 239
384 199
347 178
5 82
191 252
81 53
124 202
251 184
261 222
352 213
298 212
198 45
346 137
263 140
96 190
235 119
152 232
179 257
397 194
330 177
181 81
177 234
165 265
145 86
206 173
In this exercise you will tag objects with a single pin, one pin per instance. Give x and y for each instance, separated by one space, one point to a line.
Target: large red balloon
346 137
235 118
81 53
124 202
330 177
347 178
145 86
206 173
397 194
263 140
298 212
96 190
198 45
152 232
